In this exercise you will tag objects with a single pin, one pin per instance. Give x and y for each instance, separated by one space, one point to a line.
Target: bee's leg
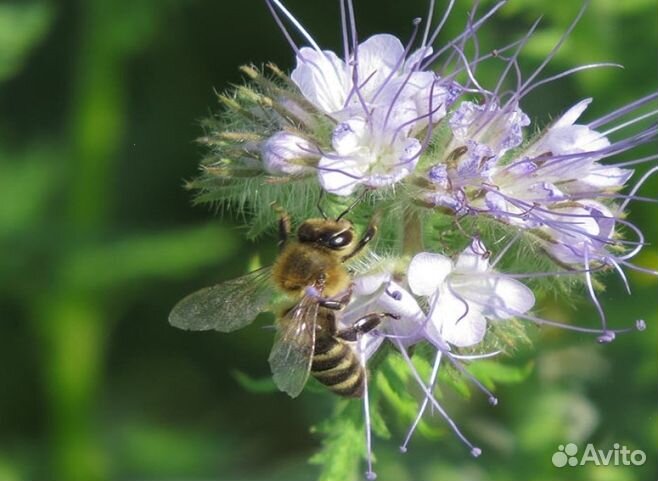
371 230
284 225
364 325
319 205
337 303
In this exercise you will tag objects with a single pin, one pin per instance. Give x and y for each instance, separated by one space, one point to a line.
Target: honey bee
310 269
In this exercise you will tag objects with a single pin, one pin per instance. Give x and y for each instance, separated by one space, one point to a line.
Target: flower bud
287 154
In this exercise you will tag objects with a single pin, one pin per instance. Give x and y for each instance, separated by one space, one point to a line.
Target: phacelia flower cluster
478 202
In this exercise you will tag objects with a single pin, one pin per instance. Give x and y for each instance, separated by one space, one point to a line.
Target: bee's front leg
284 225
370 232
364 325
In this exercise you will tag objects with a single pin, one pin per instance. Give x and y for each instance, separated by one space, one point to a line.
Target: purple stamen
567 73
282 27
467 307
428 61
641 160
432 384
399 61
630 122
428 23
438 29
551 54
592 295
621 273
514 59
540 321
475 451
474 357
296 23
470 73
637 186
504 250
355 90
490 396
370 474
344 33
639 269
622 111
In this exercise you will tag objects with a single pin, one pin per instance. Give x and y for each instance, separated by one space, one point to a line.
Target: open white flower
378 75
377 292
368 152
568 139
464 293
580 233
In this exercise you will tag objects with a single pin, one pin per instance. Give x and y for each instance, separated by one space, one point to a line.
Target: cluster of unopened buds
463 182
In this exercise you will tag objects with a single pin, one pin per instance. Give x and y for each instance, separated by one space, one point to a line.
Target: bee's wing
227 306
292 352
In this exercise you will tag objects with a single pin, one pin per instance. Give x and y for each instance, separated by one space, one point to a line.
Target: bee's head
335 235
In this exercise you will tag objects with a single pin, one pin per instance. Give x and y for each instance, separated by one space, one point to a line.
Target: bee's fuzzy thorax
300 265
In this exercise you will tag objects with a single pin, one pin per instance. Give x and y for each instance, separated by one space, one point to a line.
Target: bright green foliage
342 445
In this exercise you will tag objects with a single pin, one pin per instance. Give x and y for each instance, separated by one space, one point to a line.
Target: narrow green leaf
255 385
146 256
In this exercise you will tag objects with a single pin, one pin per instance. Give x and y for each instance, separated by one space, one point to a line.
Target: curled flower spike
468 210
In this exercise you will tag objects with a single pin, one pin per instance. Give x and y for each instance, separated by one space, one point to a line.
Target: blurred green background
100 102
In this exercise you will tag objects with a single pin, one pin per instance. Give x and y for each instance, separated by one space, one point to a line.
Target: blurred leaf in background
22 26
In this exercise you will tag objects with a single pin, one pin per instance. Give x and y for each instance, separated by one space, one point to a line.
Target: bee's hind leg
364 325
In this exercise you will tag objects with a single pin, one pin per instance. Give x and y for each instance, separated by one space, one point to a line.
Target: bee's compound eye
337 241
340 240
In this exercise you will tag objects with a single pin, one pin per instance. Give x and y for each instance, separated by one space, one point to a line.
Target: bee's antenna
351 206
319 204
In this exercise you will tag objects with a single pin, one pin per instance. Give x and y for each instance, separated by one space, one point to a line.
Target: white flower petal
284 153
412 61
473 259
397 120
427 272
322 78
339 176
457 321
572 139
604 177
368 284
504 298
377 57
348 136
570 116
368 346
397 300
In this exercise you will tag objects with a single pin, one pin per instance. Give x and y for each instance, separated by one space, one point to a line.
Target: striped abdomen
336 365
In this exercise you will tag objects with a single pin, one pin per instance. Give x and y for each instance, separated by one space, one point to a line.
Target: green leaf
392 384
255 385
342 445
22 26
492 372
26 184
145 256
